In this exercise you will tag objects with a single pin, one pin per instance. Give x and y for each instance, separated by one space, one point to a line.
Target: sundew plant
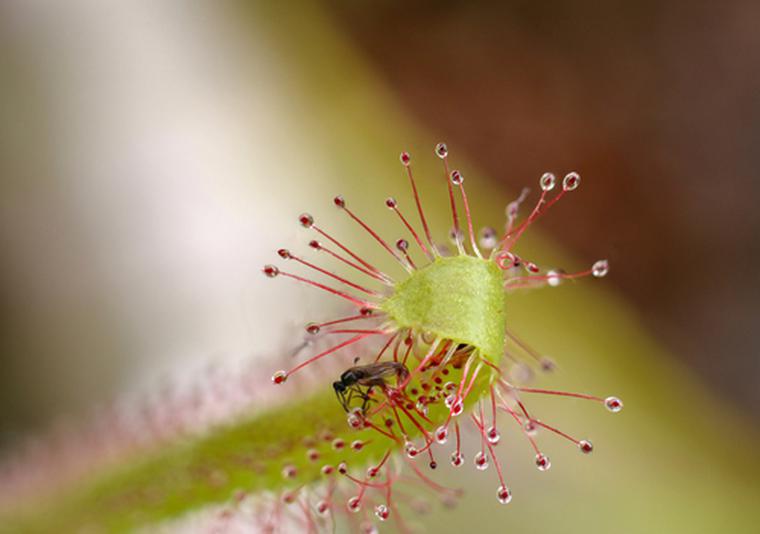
423 359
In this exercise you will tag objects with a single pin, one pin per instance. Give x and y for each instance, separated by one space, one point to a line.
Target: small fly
358 381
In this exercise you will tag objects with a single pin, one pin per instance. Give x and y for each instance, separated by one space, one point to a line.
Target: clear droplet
289 471
355 419
613 404
441 150
327 469
279 377
323 508
553 278
382 512
312 455
316 245
342 468
372 471
531 267
585 446
313 329
442 434
410 450
481 461
531 428
493 436
548 181
357 445
338 444
547 364
600 268
457 407
571 181
488 237
405 158
306 220
456 178
391 202
284 253
402 245
339 201
504 495
354 504
457 459
271 271
542 462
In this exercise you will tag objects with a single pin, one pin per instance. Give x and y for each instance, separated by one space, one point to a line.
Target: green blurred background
154 154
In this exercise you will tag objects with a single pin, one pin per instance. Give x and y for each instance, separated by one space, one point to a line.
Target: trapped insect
366 376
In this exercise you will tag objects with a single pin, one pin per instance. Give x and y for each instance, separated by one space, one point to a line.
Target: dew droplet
391 202
372 471
313 328
547 364
357 445
481 461
456 235
354 504
442 434
402 245
306 220
405 158
553 278
441 150
382 512
279 377
456 178
542 462
284 253
338 444
323 508
289 471
312 455
571 181
457 459
493 436
454 404
339 201
410 450
532 267
600 268
342 468
355 419
504 495
613 404
531 428
585 446
271 271
433 464
548 181
327 469
487 237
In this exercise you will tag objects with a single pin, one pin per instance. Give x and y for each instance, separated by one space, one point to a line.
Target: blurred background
154 154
